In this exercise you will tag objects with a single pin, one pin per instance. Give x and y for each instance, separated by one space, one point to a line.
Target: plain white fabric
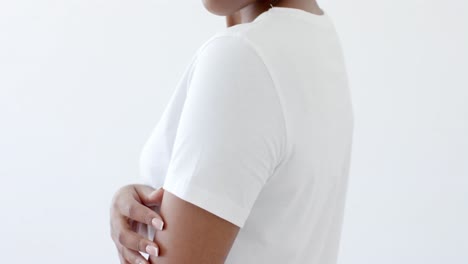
259 132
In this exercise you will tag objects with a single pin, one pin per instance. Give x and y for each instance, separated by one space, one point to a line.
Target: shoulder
229 57
227 66
238 40
227 46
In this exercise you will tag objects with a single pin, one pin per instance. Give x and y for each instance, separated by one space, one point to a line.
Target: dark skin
190 234
245 11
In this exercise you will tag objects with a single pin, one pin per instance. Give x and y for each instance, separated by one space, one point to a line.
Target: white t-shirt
259 132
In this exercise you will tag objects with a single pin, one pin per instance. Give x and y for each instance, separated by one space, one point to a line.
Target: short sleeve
231 132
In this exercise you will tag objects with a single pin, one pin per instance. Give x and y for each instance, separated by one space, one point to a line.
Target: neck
249 12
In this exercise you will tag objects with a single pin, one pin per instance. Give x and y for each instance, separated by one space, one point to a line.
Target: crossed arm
191 234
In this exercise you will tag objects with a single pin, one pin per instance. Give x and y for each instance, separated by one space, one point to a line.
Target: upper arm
192 234
230 139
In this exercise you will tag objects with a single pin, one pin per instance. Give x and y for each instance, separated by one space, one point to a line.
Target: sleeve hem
219 206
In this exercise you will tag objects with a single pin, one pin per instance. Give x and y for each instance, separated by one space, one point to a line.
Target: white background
82 83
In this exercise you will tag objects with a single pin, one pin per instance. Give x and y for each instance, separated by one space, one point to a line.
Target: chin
214 7
221 7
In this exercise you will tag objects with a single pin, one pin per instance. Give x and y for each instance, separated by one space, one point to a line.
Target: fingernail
141 262
158 223
152 250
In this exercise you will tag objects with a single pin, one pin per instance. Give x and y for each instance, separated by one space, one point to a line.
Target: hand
130 206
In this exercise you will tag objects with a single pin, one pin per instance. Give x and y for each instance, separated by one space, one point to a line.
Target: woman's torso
298 215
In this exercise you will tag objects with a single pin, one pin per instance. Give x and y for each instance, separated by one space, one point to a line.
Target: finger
155 197
141 229
123 260
148 195
140 213
130 256
133 257
131 240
